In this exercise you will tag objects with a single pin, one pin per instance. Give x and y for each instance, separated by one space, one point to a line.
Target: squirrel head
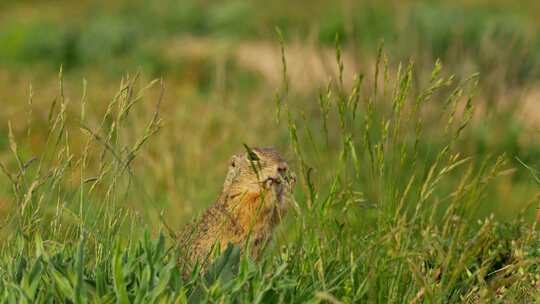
259 171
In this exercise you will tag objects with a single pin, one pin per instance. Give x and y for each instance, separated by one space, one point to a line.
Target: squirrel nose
282 169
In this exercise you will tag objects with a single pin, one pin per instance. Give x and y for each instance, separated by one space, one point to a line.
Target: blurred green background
221 64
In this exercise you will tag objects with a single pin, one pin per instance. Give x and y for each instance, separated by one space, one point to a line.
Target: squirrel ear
233 161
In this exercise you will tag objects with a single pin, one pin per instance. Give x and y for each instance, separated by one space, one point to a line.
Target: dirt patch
308 67
530 108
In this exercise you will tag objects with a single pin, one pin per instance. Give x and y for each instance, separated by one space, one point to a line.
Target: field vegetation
413 129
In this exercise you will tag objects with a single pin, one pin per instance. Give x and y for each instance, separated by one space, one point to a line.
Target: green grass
414 186
138 31
390 206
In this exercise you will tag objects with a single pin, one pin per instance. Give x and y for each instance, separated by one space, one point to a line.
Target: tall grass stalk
382 213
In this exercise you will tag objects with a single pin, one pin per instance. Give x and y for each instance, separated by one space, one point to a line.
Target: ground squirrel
256 192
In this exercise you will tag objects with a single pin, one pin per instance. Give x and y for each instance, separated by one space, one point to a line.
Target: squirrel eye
252 156
233 163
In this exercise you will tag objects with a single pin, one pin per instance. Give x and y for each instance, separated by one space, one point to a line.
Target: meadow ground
417 158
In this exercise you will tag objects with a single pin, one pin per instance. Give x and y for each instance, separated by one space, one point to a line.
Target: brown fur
257 189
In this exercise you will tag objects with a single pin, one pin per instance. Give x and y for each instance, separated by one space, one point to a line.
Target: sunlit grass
383 213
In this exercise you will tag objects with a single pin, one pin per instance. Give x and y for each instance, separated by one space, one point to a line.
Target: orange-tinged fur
256 192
